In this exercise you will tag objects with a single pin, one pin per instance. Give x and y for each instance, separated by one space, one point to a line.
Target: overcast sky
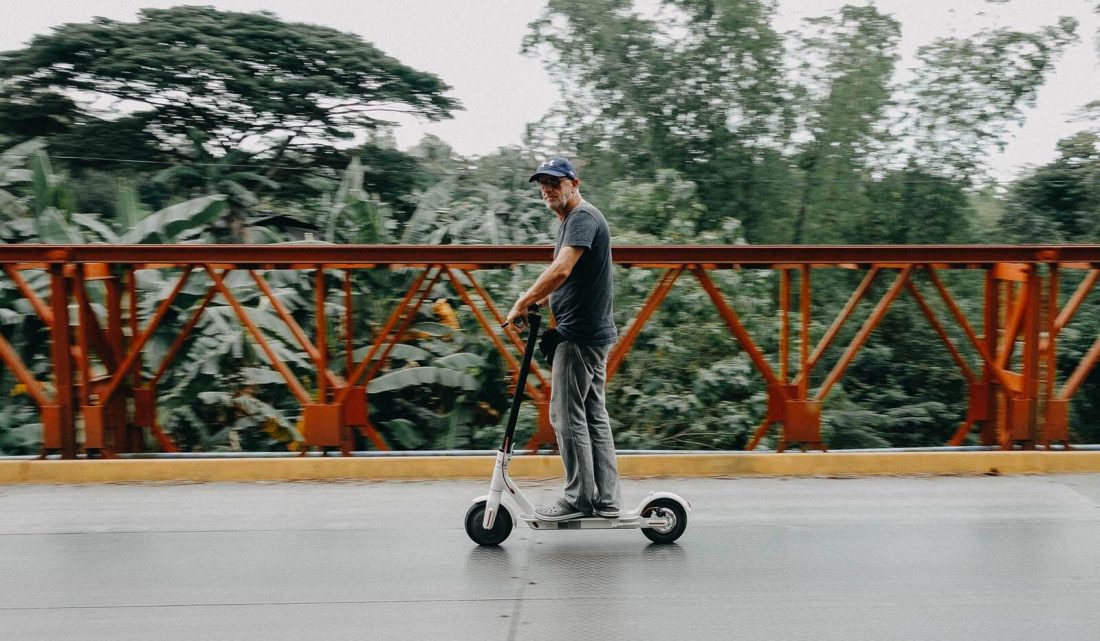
473 45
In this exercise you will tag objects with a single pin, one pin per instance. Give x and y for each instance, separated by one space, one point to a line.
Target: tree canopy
781 131
240 78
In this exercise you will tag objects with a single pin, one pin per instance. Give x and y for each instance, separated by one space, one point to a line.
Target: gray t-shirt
583 304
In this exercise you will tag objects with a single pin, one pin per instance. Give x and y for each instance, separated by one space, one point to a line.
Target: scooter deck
626 521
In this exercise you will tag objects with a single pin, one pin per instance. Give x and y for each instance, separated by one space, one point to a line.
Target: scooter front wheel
502 525
671 510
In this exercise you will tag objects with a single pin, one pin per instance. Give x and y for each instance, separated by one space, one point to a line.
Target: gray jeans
582 426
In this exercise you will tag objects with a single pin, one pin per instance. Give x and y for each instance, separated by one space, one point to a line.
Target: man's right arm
548 281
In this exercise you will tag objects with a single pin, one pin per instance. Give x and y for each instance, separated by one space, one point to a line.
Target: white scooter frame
662 516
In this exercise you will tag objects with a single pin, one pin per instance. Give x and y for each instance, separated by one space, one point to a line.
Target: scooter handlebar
518 322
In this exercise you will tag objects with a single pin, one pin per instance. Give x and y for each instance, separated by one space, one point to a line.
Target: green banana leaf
399 352
461 361
164 225
53 229
404 431
416 376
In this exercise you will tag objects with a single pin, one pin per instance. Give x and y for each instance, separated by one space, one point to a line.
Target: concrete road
969 558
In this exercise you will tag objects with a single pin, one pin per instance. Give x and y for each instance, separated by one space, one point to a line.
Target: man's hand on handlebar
517 317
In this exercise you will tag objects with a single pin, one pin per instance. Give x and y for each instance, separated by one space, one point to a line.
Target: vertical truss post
1055 413
94 416
991 326
59 427
319 293
1031 356
322 421
349 344
804 302
784 322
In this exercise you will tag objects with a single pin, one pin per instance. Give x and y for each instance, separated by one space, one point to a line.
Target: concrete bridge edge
694 465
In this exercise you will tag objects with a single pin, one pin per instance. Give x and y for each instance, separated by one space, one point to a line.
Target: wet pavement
974 558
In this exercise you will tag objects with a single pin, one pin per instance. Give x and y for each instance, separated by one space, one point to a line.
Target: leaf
400 352
404 432
351 183
18 155
417 376
53 229
10 204
166 224
93 223
129 209
461 361
43 182
211 398
257 376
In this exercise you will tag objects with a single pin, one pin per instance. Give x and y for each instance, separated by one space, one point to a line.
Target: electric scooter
661 516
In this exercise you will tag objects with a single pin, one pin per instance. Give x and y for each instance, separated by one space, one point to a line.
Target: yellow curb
539 467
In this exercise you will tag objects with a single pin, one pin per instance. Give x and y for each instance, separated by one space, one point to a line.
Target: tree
697 88
240 78
1060 201
666 209
848 63
913 207
968 92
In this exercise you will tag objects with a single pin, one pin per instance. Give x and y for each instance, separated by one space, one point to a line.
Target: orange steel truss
1014 396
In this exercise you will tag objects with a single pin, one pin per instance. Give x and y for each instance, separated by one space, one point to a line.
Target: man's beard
557 203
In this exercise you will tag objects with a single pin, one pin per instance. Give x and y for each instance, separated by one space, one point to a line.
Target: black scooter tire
496 535
670 507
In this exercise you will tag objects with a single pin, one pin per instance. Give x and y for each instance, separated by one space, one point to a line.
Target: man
578 285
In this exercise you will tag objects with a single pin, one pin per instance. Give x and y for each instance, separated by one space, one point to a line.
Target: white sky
473 45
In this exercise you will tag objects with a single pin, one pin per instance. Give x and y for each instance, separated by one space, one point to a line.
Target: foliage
968 91
692 122
237 77
1059 202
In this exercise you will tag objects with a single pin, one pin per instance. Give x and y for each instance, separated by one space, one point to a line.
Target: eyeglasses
549 181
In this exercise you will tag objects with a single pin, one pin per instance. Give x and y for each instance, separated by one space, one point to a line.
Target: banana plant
13 172
227 174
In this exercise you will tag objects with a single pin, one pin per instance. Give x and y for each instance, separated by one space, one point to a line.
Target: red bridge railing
95 381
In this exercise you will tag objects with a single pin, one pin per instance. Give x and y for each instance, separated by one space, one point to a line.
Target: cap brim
548 172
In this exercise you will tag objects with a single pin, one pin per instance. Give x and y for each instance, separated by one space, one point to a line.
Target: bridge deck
913 558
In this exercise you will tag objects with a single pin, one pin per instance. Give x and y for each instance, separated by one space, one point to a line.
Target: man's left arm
548 281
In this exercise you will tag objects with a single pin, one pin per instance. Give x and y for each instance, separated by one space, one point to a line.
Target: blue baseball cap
555 167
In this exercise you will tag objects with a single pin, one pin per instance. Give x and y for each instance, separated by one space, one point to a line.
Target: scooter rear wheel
674 512
502 525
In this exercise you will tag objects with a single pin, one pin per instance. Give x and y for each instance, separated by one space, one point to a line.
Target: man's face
556 191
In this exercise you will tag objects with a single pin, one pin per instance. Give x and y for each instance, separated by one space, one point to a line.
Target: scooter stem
534 319
500 469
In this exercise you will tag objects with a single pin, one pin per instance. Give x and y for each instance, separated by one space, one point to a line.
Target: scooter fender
485 497
663 495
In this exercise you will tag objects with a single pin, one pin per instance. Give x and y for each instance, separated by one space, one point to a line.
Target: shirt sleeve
580 230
